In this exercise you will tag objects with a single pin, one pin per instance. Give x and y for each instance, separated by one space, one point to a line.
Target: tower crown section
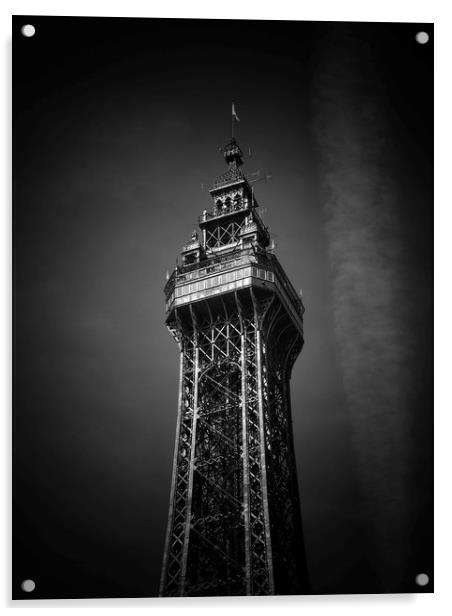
232 249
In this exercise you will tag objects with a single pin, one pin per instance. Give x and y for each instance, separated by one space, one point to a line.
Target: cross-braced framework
234 524
223 234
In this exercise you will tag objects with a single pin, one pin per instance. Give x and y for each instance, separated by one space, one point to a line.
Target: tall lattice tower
234 524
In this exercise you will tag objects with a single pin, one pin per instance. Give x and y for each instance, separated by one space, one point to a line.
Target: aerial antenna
264 178
255 173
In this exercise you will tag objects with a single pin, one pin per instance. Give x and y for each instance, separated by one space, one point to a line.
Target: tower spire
232 153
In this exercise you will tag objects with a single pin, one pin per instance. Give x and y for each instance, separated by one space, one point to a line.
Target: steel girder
234 524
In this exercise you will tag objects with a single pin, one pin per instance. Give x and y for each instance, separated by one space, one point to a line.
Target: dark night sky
116 125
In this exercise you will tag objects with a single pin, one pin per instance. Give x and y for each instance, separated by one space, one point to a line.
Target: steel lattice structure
234 524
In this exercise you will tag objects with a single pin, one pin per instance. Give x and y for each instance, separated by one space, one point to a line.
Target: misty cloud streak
372 290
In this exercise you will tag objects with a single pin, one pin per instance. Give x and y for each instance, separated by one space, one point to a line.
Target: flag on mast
234 115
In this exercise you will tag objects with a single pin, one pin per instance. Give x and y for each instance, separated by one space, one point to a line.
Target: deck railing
220 263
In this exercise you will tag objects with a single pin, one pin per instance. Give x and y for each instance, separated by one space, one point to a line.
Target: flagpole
232 122
235 117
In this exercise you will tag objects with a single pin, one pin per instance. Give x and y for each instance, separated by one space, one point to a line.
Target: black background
116 123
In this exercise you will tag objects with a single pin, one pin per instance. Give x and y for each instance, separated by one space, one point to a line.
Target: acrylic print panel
222 307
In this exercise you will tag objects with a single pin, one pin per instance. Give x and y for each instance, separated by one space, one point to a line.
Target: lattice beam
234 517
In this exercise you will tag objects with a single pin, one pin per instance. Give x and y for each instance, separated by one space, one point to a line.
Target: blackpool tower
234 524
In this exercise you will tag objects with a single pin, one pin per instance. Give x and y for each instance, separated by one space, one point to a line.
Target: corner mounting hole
28 30
28 585
422 579
422 37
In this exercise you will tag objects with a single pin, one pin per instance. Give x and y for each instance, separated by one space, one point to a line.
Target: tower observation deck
234 525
